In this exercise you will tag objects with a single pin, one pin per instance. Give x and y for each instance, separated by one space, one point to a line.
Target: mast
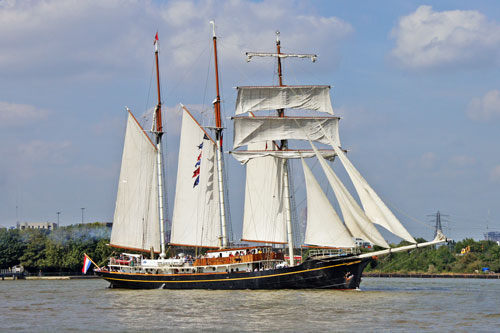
284 146
218 138
284 143
158 131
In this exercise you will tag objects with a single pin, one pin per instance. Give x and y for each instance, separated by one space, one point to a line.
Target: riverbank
427 275
78 277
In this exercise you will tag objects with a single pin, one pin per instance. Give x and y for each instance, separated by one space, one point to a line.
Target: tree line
62 249
58 250
466 256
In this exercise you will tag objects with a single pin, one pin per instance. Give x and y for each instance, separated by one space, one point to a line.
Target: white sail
135 223
355 219
259 129
196 216
264 215
374 207
316 98
324 227
243 156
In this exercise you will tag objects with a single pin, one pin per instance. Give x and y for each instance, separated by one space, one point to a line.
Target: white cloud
15 114
360 117
428 160
495 174
84 39
486 107
61 38
462 161
46 152
430 39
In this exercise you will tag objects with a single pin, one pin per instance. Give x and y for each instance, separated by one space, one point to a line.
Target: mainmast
284 143
218 138
286 181
158 131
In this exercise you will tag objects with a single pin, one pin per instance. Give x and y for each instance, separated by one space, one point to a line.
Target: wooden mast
284 143
218 138
158 131
286 181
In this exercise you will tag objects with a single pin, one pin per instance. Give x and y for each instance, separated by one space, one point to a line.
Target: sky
417 84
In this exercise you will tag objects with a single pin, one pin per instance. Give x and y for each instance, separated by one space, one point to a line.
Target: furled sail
135 224
243 156
264 215
355 219
196 216
259 129
250 55
374 207
316 98
324 227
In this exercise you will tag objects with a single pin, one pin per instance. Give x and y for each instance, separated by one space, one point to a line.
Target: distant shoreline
428 275
371 274
67 277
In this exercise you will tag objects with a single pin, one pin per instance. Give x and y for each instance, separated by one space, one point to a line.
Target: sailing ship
199 215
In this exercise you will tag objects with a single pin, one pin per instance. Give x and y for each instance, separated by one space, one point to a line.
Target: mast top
158 124
213 28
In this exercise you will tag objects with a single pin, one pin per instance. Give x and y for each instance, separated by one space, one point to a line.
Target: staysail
373 206
324 227
196 216
355 219
135 222
316 98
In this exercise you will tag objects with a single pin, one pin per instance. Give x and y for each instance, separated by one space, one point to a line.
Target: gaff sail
135 222
196 216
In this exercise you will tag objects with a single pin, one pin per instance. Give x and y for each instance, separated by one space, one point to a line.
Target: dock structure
14 274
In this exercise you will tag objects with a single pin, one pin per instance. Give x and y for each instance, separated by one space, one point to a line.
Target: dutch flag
86 264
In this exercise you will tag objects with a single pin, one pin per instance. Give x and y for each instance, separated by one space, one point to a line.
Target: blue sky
416 83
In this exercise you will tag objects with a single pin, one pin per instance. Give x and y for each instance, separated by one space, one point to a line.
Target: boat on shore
199 217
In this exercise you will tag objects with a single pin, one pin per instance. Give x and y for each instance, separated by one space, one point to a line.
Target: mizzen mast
158 131
218 138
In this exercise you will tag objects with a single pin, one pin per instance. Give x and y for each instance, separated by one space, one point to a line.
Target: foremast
218 139
158 132
284 143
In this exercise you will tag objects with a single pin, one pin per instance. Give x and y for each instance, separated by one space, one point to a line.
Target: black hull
334 273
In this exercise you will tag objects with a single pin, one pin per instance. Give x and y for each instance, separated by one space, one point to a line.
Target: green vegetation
60 250
443 259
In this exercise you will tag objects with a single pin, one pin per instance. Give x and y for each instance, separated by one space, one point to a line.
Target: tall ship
269 122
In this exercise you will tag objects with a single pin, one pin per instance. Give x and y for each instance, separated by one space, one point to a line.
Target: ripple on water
383 304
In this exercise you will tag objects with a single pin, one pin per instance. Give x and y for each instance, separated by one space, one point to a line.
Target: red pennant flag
156 38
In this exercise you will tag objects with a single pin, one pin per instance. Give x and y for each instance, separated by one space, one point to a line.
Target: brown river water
382 304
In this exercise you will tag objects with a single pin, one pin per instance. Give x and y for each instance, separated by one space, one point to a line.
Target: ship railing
247 258
332 252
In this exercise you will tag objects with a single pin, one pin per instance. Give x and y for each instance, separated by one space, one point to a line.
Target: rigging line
207 76
407 215
227 206
149 90
176 85
238 69
315 74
